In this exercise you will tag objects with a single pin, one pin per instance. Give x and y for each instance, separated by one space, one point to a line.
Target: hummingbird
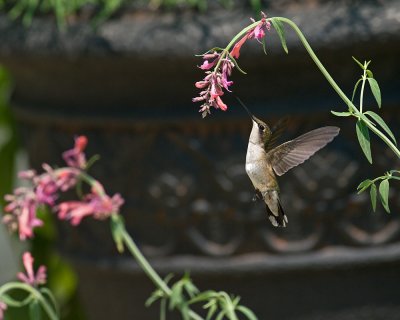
265 160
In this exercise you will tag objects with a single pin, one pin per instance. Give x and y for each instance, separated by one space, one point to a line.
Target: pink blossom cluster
46 188
219 66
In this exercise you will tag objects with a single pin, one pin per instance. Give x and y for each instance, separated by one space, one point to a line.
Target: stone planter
128 87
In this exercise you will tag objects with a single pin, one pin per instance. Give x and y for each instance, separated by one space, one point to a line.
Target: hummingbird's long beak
245 108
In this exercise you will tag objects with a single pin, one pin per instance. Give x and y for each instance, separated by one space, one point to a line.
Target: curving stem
334 85
34 292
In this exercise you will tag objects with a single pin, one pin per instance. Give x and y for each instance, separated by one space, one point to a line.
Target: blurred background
122 73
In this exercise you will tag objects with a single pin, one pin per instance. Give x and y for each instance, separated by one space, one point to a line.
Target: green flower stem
336 87
364 78
148 269
34 292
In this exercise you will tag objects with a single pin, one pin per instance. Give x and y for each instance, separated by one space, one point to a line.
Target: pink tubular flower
30 277
258 33
3 308
96 204
75 156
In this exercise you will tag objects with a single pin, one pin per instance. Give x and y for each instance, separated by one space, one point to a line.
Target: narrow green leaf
185 312
382 123
341 114
372 193
47 293
355 89
247 312
264 45
281 33
359 63
363 139
211 311
369 73
236 64
373 84
364 185
384 194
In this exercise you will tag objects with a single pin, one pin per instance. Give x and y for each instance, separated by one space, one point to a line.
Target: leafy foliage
366 121
63 9
219 305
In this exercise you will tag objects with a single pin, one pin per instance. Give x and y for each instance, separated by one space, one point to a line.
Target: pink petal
27 260
207 65
220 104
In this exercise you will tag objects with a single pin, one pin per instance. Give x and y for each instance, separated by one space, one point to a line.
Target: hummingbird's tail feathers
279 220
292 153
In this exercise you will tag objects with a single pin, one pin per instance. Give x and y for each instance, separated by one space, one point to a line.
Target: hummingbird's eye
261 127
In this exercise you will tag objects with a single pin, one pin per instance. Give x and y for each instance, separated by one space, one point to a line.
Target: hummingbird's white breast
256 165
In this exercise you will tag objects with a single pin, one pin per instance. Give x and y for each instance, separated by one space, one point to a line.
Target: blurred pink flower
75 156
22 204
30 277
3 308
96 204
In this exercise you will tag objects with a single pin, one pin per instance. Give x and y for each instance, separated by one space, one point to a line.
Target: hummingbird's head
259 132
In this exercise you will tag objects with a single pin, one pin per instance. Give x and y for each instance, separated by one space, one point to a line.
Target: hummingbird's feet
257 196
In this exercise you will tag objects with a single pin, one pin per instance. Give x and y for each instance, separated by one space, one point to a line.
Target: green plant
102 9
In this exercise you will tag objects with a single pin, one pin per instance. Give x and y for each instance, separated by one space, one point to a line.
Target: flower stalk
146 266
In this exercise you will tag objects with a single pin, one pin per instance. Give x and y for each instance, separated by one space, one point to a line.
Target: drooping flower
213 83
3 308
96 204
216 81
75 156
30 277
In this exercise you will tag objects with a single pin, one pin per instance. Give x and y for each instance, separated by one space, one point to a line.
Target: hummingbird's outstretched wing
292 153
276 132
